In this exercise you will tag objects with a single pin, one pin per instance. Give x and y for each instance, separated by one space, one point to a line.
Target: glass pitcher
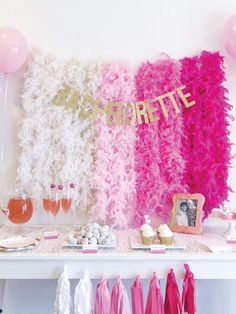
16 205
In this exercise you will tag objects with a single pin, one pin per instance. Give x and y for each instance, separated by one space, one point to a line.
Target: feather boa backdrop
207 146
159 161
114 177
56 145
124 172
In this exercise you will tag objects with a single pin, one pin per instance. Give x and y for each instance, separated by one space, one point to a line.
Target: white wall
127 29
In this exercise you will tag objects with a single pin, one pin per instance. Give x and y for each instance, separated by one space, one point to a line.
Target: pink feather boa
159 162
114 177
207 146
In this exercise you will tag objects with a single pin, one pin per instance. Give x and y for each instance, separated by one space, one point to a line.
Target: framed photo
187 213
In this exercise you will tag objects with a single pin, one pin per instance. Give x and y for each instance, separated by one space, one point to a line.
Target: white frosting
145 227
164 231
147 230
149 233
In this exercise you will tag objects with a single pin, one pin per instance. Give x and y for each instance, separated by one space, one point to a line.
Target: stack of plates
17 243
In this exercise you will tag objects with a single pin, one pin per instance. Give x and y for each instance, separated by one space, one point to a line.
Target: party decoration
188 293
159 161
63 300
119 299
127 139
120 113
154 299
172 298
55 145
229 36
114 177
13 53
83 297
103 298
13 50
206 146
137 296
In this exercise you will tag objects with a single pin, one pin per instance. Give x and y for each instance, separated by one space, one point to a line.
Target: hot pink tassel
137 296
188 297
207 144
103 299
154 300
172 297
119 299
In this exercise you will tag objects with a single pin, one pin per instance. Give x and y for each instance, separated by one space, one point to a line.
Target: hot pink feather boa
114 177
160 164
207 146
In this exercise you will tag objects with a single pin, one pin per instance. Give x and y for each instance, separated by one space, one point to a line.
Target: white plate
80 246
17 242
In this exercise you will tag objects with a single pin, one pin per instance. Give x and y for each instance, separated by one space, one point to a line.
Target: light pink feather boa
114 178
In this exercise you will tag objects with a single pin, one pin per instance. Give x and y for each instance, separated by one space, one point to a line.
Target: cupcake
165 234
147 233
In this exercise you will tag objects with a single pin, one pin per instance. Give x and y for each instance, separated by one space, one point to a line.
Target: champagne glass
46 200
48 197
66 199
51 203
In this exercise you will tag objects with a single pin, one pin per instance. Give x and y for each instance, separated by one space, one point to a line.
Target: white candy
89 235
79 239
93 241
93 233
89 227
95 225
85 241
101 240
96 234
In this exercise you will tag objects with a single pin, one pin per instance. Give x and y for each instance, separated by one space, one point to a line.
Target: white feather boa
56 145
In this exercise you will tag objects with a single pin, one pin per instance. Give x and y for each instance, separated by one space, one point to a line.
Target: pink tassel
115 177
207 144
137 296
119 299
188 297
103 299
154 300
172 298
159 162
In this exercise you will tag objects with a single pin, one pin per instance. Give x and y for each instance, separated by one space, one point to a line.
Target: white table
48 260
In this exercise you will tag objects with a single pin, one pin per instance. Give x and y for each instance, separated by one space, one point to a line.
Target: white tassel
63 301
84 298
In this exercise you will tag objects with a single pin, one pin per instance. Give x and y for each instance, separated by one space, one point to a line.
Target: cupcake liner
166 240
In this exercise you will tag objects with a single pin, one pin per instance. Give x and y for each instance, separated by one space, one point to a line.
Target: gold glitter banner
122 113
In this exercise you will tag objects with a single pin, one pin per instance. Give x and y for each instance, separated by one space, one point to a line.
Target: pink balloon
13 50
229 36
